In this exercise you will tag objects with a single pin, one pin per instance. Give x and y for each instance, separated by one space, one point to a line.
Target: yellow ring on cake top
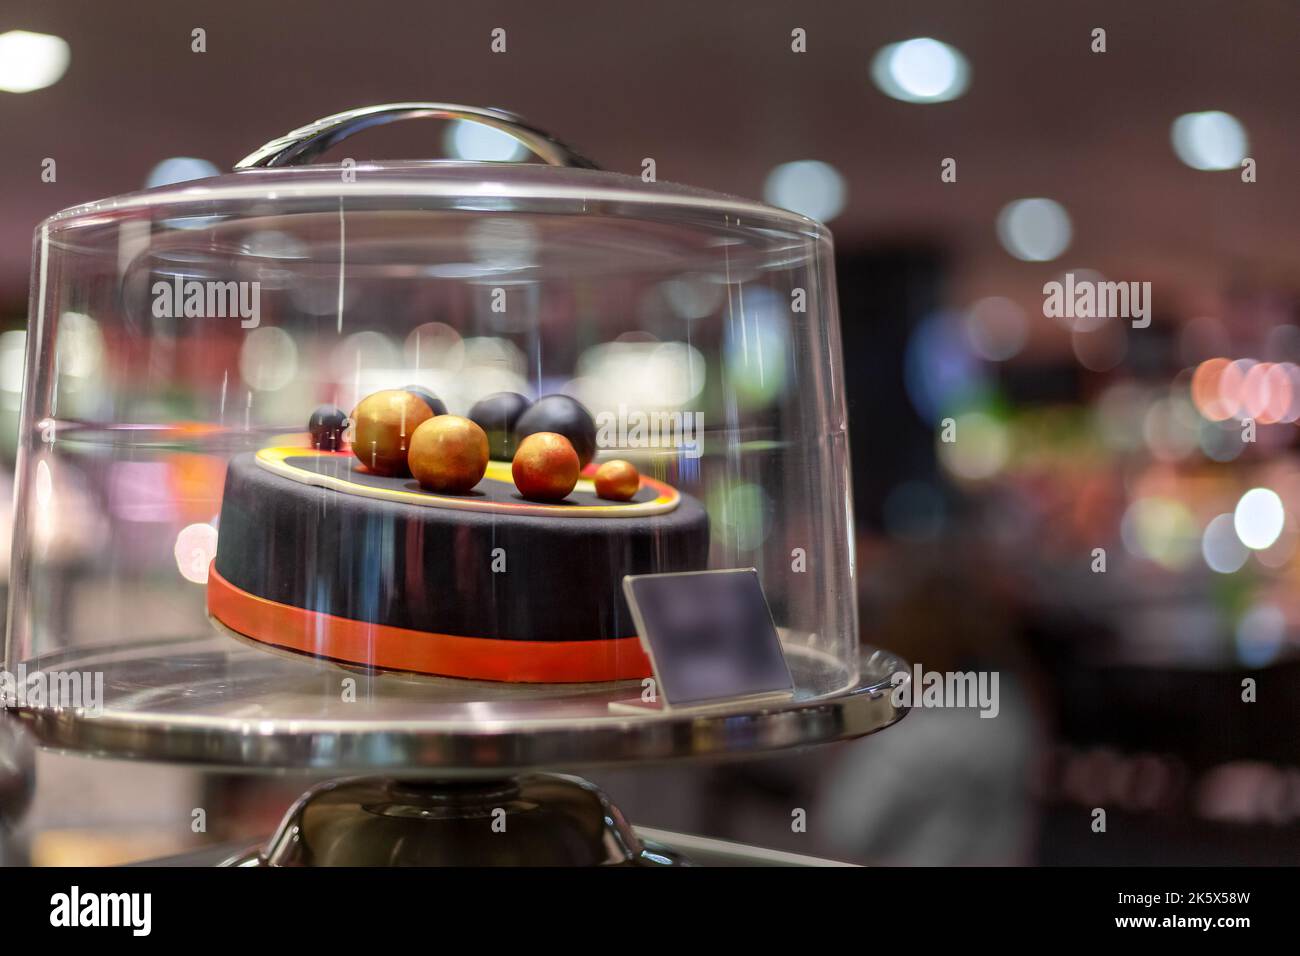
275 460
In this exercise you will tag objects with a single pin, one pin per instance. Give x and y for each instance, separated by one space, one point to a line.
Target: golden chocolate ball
383 424
448 454
545 467
617 480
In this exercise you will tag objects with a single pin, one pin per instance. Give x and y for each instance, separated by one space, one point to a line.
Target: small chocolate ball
545 467
433 401
382 427
326 426
448 454
564 416
497 414
617 480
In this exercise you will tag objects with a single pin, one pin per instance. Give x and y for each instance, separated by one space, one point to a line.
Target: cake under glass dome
180 528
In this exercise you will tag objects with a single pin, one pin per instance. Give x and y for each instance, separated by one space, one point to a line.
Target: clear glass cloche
410 424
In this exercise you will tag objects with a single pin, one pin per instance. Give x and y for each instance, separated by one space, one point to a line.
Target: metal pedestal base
530 820
460 758
221 703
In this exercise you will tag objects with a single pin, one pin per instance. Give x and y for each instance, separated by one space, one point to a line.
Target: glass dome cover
329 447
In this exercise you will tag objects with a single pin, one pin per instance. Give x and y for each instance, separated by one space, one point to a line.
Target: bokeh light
31 61
13 360
1232 387
693 297
268 359
981 448
756 346
641 375
80 349
997 328
1035 230
479 143
1221 441
1209 140
1160 529
1205 389
921 70
1259 518
739 514
434 345
195 547
179 169
1261 635
940 370
1072 317
807 186
1221 548
1171 429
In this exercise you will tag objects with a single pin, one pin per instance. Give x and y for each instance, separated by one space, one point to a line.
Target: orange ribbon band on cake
404 649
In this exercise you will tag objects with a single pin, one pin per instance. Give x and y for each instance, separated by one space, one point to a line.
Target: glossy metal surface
306 143
17 772
17 783
352 823
533 820
221 702
659 846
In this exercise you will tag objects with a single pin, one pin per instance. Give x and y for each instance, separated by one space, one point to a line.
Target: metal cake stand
446 771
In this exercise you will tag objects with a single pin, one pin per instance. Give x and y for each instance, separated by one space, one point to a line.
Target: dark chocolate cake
319 555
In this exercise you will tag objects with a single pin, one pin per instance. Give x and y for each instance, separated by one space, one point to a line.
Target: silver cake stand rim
483 748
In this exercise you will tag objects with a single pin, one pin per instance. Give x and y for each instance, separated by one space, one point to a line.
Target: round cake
318 554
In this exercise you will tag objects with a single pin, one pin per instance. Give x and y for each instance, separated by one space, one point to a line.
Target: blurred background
964 155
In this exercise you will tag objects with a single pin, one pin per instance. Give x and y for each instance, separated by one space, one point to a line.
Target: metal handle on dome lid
305 144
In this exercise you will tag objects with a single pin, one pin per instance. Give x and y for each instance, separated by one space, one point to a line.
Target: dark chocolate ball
433 401
564 416
326 426
497 414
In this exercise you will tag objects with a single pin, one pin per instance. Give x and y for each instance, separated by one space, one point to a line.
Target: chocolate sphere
617 480
545 467
497 415
564 416
326 427
433 401
382 427
448 454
